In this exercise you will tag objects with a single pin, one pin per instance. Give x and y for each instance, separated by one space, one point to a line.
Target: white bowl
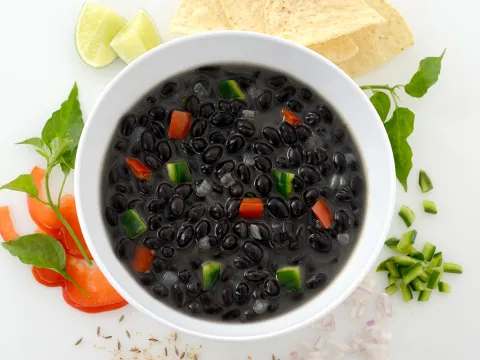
250 48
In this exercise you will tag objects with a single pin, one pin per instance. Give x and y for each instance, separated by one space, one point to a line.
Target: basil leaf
23 183
59 147
39 250
381 102
35 141
425 77
399 128
66 123
65 169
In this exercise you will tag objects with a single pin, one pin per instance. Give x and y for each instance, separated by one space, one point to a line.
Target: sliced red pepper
7 229
179 124
102 296
143 259
322 213
290 117
48 277
251 208
139 169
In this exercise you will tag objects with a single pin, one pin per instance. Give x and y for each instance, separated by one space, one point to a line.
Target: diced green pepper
444 287
434 279
424 295
424 276
412 272
407 215
417 284
283 182
437 260
391 289
428 251
452 268
429 207
210 274
406 292
404 260
391 279
179 172
392 269
425 182
407 240
290 278
132 223
382 266
229 89
414 253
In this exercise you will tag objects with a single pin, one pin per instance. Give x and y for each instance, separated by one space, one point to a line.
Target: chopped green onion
406 292
417 284
392 269
407 240
229 89
391 279
407 215
132 223
412 272
429 207
428 251
434 279
452 268
437 260
391 289
404 260
424 295
425 182
444 287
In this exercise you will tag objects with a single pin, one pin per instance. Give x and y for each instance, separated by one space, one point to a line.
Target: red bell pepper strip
291 118
179 124
139 169
7 229
48 277
251 208
322 213
143 259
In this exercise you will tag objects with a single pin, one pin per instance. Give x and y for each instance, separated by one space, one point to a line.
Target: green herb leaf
66 123
399 128
381 102
35 141
425 77
59 148
23 183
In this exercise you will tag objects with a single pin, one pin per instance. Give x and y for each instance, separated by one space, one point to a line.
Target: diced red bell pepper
251 208
143 259
139 169
291 118
179 124
322 213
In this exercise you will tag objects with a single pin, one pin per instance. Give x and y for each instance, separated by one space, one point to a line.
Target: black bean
158 265
216 211
154 222
272 136
157 113
164 151
250 195
253 251
255 275
184 275
111 216
196 212
277 81
262 163
357 185
339 162
168 89
164 193
224 167
224 105
133 203
311 196
262 148
278 208
236 190
316 281
222 119
136 150
176 206
185 236
325 114
143 121
306 94
206 169
187 148
221 229
202 229
235 143
168 251
199 144
213 309
295 155
198 128
263 184
243 173
325 169
124 249
240 229
152 162
178 294
232 207
344 195
238 106
288 133
311 157
207 297
147 141
271 288
217 137
321 242
157 129
282 162
128 125
295 105
232 314
144 187
297 207
230 242
285 94
195 263
264 101
303 133
212 154
119 203
207 110
183 190
298 259
241 262
121 145
312 118
160 291
309 174
147 279
245 127
227 274
192 105
242 293
194 288
249 314
217 187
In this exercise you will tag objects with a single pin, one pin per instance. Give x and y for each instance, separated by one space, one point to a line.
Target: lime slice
138 36
96 26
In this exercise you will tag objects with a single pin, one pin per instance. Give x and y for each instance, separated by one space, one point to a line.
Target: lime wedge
138 36
96 26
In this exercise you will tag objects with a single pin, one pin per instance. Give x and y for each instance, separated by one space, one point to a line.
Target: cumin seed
107 337
182 356
166 351
98 331
176 351
135 350
79 341
175 336
119 345
128 334
195 357
153 339
121 318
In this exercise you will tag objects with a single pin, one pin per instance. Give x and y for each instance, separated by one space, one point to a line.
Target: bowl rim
82 192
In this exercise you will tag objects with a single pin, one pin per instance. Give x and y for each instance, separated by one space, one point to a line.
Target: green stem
67 277
380 87
61 218
61 190
43 202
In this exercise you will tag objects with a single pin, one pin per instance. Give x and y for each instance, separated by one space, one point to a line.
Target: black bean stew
233 193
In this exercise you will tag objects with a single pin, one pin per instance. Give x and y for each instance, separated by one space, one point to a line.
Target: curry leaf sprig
58 145
401 123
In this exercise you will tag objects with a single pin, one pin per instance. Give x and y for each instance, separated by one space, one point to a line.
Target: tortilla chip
337 50
245 14
194 16
317 21
378 44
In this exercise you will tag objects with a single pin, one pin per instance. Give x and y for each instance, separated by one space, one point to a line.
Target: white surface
231 47
37 68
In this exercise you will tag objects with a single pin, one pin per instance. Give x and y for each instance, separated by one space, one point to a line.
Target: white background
38 66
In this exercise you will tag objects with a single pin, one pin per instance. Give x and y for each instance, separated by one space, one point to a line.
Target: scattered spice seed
195 357
107 337
128 334
98 331
135 349
121 318
273 357
153 339
176 351
182 356
79 341
175 336
166 351
119 345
